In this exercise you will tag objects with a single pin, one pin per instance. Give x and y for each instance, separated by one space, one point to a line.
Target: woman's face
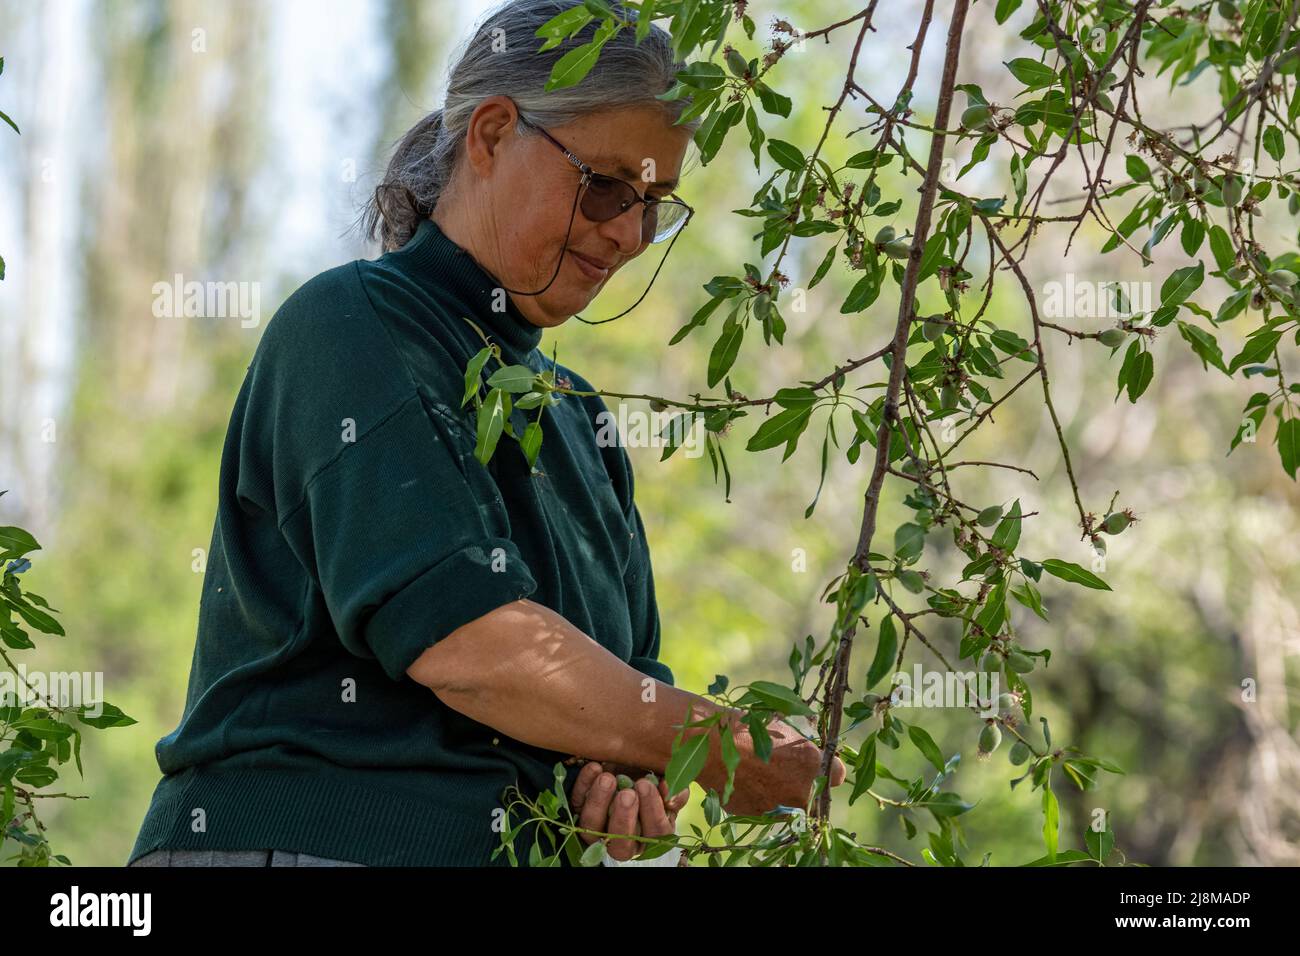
523 192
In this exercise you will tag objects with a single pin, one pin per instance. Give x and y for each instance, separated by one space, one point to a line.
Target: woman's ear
491 126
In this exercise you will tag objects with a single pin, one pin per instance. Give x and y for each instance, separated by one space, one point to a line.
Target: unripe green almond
657 406
1293 204
624 782
898 249
1019 753
932 328
1099 544
1112 338
1283 277
991 664
654 780
1227 10
989 516
1116 523
1237 273
886 234
947 397
990 737
1020 663
1177 191
736 63
1006 702
975 117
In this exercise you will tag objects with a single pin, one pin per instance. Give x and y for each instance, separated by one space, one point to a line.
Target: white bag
671 858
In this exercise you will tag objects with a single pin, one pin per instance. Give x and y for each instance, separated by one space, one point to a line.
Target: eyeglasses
605 198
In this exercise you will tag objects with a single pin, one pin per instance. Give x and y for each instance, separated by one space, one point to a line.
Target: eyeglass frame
588 174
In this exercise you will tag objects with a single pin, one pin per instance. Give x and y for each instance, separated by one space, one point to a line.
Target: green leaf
472 372
1274 144
1203 344
700 317
593 855
782 427
1004 10
513 378
1137 169
886 648
491 422
531 442
686 762
1181 284
755 135
1067 571
786 155
909 542
17 542
1257 349
1051 822
779 698
1099 844
1221 247
1140 375
1007 535
38 619
561 26
577 63
109 716
772 101
945 805
1031 73
1288 445
925 743
725 350
864 770
863 293
1192 236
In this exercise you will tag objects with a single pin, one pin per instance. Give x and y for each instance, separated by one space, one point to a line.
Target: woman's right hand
649 811
785 779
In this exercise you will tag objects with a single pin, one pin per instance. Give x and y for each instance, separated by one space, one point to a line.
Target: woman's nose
625 229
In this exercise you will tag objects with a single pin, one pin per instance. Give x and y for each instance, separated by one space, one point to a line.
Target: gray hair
626 74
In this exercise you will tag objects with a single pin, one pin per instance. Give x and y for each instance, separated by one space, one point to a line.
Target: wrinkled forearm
528 672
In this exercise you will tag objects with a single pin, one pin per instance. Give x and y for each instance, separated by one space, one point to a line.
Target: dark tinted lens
606 198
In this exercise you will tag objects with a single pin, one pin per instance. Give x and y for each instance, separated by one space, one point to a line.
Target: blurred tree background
235 141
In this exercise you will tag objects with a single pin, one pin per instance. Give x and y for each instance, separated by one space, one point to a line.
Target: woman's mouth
589 268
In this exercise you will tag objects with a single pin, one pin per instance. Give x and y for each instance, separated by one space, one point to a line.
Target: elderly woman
391 633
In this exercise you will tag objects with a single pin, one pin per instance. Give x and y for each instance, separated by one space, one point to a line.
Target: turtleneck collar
432 259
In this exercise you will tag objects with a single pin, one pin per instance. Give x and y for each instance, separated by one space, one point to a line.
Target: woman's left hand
649 811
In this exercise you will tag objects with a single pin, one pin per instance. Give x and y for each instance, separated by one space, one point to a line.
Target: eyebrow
626 172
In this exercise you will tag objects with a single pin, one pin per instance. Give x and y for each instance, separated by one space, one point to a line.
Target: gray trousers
236 858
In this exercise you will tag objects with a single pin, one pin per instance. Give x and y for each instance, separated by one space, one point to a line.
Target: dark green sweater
354 529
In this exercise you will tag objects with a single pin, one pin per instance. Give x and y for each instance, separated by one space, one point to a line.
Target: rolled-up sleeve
408 537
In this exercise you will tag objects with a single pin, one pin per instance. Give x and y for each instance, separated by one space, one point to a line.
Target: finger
675 803
623 819
654 818
595 809
583 784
